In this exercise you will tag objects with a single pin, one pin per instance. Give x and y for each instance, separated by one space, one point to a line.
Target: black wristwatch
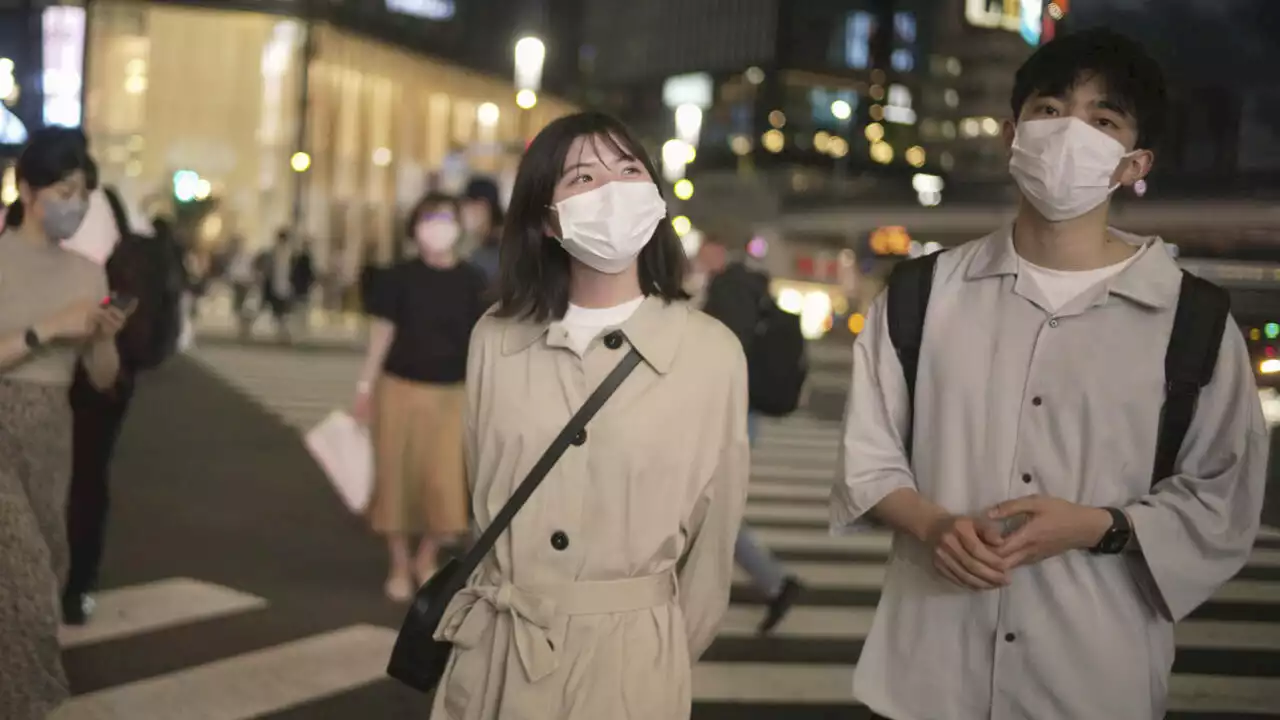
32 339
1116 538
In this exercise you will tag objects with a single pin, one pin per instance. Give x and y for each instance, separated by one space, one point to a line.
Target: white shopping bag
342 448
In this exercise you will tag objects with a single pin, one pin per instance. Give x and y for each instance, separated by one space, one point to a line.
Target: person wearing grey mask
54 313
63 216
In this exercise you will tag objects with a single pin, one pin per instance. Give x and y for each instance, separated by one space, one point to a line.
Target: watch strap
1120 528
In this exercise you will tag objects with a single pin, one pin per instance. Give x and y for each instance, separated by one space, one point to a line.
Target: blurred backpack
147 269
777 361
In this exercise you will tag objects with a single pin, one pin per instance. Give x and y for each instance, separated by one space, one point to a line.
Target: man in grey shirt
1036 572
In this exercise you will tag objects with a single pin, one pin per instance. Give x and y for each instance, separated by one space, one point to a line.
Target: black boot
781 604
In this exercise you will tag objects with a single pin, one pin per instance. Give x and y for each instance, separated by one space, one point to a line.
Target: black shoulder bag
418 659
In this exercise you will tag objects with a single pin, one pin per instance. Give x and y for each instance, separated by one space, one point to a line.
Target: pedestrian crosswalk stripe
823 475
156 606
832 684
833 623
249 685
791 539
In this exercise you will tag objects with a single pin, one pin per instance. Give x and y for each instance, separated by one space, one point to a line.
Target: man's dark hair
1134 80
534 277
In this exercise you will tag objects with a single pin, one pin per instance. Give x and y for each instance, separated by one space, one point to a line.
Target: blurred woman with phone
52 316
98 415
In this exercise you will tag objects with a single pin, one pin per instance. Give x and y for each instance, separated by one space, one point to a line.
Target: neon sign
1020 16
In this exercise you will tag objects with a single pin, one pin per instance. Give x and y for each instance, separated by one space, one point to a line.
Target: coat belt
534 609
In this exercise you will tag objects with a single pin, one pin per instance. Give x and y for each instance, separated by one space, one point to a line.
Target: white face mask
436 235
606 228
1064 166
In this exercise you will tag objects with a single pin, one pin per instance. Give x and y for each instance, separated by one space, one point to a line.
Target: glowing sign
63 55
891 240
1020 16
427 9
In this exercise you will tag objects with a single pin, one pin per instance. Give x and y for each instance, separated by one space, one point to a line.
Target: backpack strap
910 285
1198 325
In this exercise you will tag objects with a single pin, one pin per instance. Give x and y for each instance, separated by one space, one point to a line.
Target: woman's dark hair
429 201
50 155
533 282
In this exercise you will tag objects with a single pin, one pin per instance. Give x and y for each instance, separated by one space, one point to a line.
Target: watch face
1114 541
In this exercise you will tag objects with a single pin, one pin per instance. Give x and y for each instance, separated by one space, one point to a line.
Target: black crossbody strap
576 425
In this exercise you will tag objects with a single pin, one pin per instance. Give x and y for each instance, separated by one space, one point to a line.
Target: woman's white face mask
1064 166
607 227
437 234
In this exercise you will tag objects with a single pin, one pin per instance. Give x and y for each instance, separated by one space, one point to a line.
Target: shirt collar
654 329
1153 280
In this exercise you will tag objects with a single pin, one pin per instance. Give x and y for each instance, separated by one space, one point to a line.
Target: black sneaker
76 609
781 604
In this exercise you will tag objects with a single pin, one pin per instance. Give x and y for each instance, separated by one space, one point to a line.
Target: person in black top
410 392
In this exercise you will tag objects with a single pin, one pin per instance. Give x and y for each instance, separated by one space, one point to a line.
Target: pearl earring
1140 188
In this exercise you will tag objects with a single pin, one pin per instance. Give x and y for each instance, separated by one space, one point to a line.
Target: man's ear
1134 168
1008 130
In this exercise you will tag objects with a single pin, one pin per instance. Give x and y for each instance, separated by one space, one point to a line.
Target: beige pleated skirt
420 484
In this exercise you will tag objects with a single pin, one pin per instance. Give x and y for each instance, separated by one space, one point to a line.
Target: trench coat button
1053 323
581 438
613 340
1037 401
1026 477
559 540
1010 637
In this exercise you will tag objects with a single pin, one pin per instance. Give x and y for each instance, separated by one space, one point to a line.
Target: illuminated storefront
211 105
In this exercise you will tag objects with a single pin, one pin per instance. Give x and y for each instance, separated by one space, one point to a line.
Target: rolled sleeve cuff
851 504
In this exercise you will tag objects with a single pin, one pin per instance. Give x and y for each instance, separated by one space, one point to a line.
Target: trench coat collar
654 329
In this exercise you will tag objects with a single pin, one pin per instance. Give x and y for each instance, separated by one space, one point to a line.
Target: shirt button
1010 637
1053 323
613 340
1026 477
580 439
559 540
1037 401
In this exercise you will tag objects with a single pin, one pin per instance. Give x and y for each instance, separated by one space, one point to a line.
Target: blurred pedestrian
735 294
52 315
482 226
145 273
575 615
411 393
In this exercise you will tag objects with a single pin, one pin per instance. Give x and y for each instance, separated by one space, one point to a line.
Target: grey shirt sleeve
1196 529
873 460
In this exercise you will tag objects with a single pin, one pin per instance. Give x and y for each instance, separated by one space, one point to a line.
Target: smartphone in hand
120 301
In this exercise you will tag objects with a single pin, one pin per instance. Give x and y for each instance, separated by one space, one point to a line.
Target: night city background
826 140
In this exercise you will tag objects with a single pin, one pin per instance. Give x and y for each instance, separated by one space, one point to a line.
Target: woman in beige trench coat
612 579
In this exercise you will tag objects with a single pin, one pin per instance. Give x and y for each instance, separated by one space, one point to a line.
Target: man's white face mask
1064 166
606 228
